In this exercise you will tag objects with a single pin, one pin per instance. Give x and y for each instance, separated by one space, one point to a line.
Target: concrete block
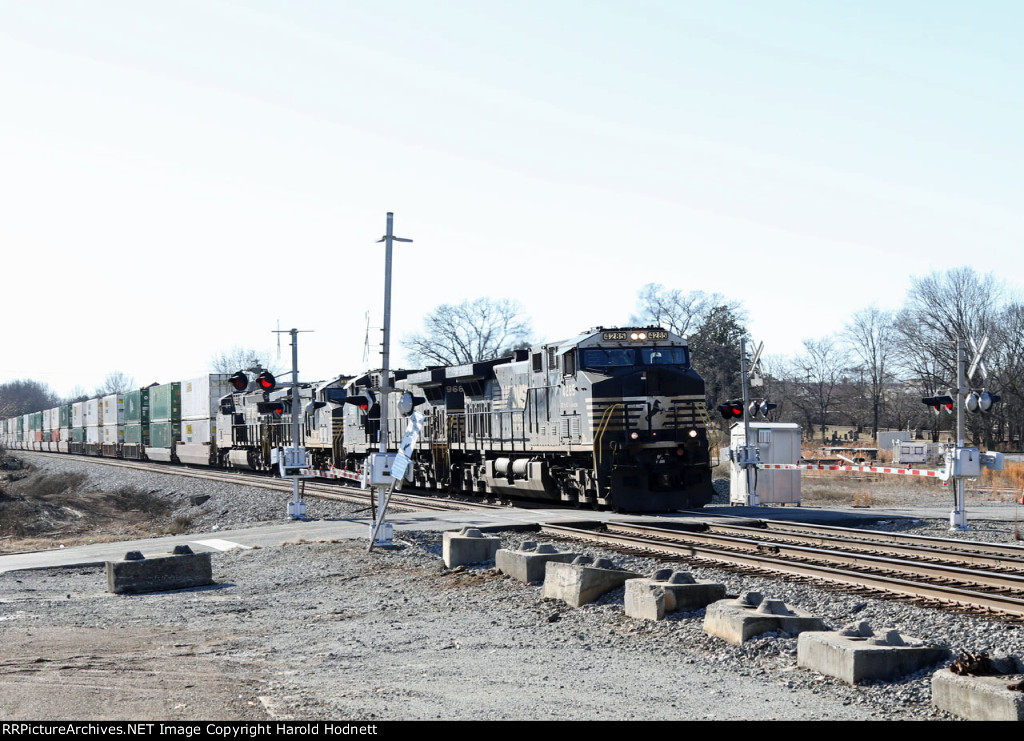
857 653
529 562
739 620
469 545
582 581
181 570
990 697
669 591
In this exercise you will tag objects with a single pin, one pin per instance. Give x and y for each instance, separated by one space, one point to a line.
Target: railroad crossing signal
266 381
937 403
366 403
276 408
732 409
239 381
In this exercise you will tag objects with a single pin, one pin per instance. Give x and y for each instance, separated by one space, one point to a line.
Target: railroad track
975 577
338 490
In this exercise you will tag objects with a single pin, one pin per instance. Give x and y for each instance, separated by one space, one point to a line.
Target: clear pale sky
177 177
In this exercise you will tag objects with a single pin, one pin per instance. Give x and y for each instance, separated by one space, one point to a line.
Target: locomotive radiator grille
675 413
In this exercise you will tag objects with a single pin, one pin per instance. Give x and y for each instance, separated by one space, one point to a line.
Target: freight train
611 418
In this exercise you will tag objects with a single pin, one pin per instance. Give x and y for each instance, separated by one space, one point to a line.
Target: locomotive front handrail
599 435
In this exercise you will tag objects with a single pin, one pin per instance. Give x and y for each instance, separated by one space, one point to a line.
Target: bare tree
25 397
872 337
242 358
471 331
821 369
115 383
678 312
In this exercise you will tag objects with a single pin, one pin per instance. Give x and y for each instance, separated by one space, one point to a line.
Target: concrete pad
739 620
857 653
669 591
978 698
467 546
181 570
529 562
583 581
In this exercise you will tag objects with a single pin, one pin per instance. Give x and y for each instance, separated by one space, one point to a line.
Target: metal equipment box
776 443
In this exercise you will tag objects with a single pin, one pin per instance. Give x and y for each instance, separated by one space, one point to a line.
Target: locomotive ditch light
239 381
266 381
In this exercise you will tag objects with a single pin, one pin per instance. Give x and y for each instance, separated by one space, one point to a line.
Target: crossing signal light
732 409
275 408
937 403
980 401
366 403
266 381
239 381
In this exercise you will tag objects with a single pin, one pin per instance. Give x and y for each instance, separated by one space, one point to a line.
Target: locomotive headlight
638 336
635 436
693 433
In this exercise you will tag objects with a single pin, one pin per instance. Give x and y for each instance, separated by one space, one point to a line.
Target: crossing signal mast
964 462
746 409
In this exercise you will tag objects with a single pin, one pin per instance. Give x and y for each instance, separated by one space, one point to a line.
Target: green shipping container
163 434
137 434
65 416
78 434
165 403
136 407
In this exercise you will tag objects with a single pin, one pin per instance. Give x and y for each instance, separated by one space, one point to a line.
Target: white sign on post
408 444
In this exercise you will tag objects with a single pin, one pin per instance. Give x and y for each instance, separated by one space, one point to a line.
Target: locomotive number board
640 335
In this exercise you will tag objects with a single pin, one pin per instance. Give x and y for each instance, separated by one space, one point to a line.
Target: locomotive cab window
537 360
664 356
569 363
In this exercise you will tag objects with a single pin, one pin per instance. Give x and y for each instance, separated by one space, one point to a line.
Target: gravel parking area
325 630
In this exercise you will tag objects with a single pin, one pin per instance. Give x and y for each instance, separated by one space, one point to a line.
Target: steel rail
992 580
1005 604
970 546
871 545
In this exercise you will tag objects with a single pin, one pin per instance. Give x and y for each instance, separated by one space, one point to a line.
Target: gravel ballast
325 630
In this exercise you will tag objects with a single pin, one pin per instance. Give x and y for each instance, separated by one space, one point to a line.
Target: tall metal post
749 462
379 533
958 517
297 508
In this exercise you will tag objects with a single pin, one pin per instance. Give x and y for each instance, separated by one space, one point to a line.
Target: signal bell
266 381
239 381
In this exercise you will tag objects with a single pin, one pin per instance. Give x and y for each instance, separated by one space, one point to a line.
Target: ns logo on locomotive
610 418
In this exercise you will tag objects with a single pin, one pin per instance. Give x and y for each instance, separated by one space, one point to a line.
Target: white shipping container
112 434
113 410
200 397
78 414
198 431
93 413
92 435
47 420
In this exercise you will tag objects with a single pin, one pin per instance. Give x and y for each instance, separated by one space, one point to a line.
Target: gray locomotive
612 418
